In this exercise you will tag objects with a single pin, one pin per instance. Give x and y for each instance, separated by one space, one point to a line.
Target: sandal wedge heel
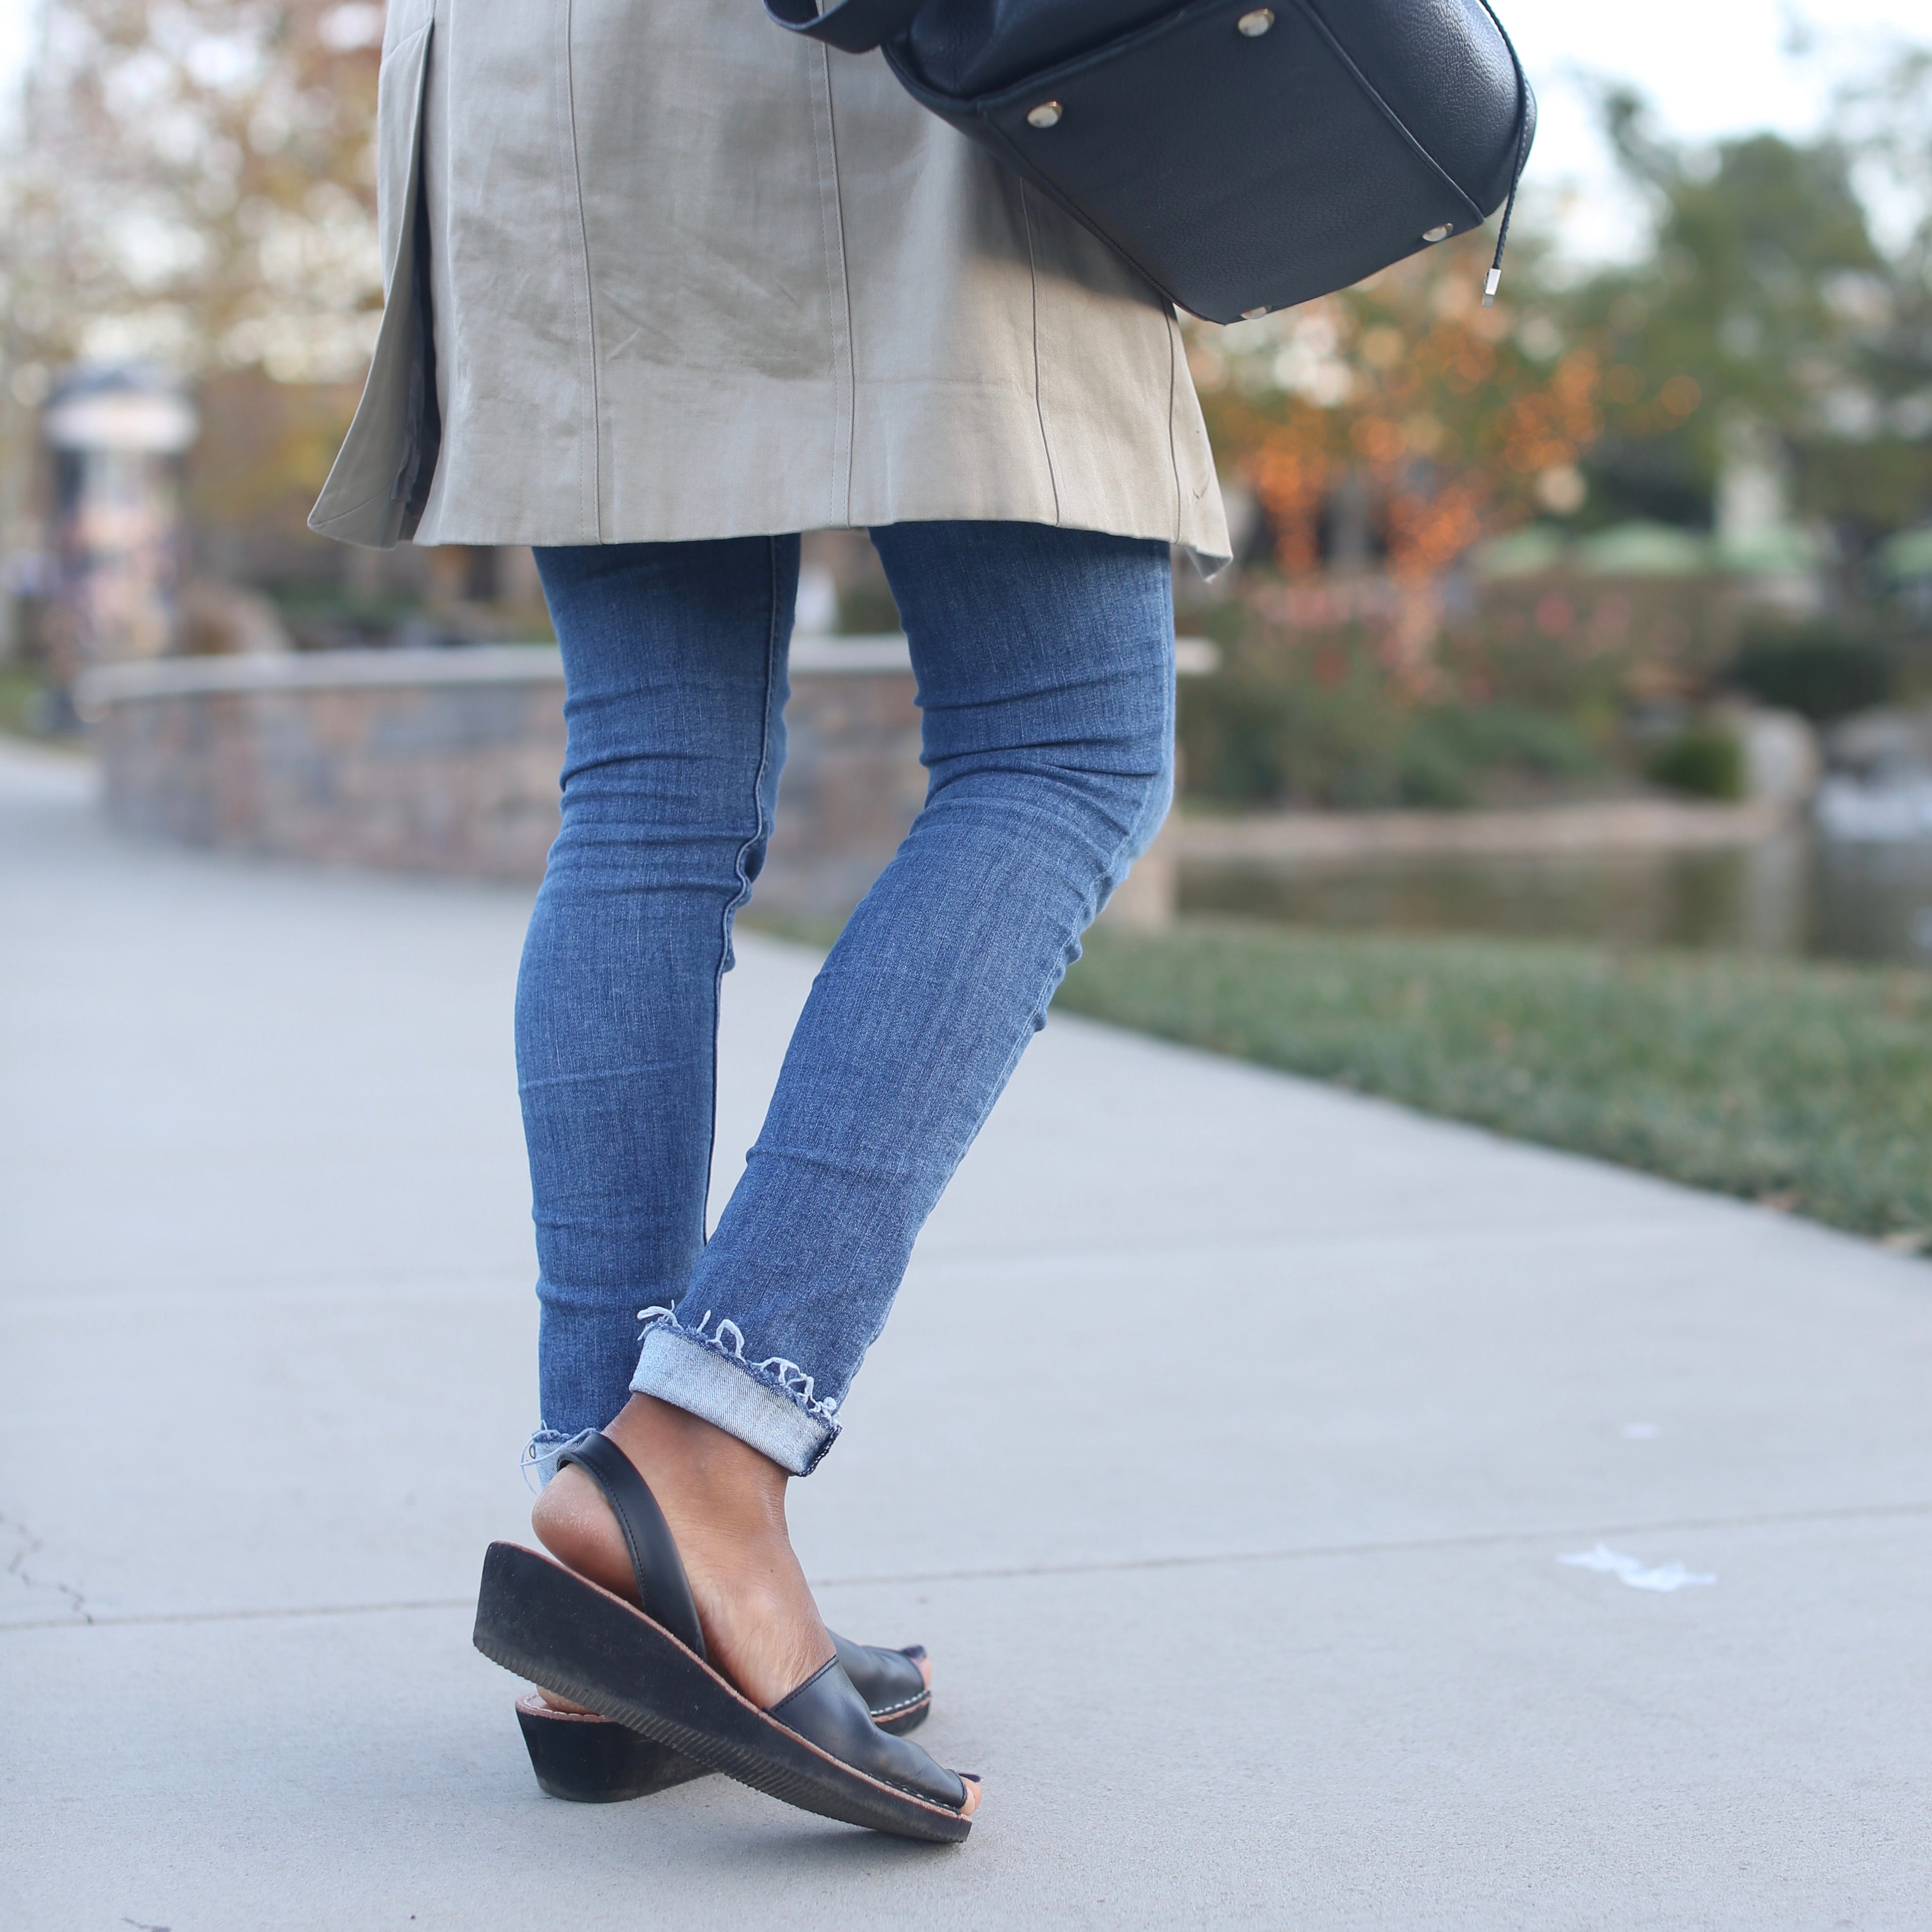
590 1760
645 1668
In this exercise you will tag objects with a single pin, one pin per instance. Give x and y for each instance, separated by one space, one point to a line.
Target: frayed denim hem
769 1405
539 1462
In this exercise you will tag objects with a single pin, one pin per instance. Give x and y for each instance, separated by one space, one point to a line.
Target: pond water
1796 894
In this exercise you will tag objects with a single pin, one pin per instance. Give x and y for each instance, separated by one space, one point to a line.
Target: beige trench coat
669 271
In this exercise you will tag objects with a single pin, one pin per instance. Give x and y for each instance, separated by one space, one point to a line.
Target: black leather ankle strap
664 1591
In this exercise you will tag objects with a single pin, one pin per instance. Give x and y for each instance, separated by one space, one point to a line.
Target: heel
590 1761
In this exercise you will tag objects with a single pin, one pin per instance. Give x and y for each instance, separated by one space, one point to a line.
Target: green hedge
1702 761
1820 674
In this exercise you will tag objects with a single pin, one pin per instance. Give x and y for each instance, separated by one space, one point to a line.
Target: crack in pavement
16 1567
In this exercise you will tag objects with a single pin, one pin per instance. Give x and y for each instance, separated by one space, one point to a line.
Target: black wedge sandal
590 1760
817 1748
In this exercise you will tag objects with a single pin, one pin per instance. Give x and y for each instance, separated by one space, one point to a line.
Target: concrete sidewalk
1281 1408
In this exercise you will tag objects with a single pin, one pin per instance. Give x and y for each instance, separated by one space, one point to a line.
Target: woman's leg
1044 661
674 675
674 669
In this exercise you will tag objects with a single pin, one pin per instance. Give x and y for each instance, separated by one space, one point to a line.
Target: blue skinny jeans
1044 659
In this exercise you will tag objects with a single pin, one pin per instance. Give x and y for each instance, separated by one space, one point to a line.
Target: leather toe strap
888 1680
828 1711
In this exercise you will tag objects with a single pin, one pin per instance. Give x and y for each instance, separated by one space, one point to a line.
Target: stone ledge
462 664
447 761
469 663
1610 825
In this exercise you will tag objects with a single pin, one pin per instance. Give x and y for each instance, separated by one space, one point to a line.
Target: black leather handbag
1243 157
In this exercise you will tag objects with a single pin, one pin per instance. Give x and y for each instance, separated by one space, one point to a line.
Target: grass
19 691
1805 1086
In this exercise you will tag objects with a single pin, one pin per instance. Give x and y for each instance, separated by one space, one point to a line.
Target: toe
551 1701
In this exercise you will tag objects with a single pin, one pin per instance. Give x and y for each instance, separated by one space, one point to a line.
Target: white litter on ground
1671 1576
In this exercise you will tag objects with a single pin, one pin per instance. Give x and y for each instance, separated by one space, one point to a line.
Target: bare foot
563 1704
725 1505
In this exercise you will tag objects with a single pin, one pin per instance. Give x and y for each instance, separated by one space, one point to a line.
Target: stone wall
447 761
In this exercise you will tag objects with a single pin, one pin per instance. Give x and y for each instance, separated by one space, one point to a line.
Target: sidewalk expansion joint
1098 1566
149 1619
1394 1546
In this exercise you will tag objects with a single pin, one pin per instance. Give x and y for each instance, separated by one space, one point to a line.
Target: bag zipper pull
1496 273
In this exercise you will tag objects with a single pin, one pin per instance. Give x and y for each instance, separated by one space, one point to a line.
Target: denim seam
1126 845
1112 872
759 829
742 895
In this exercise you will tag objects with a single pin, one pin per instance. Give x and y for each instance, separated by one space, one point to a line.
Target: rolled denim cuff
691 1375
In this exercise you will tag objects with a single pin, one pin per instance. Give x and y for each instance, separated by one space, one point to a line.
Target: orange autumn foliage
1411 388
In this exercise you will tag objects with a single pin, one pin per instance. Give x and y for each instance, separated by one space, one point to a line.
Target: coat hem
1201 546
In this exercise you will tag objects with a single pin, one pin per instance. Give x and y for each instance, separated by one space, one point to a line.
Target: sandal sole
555 1628
590 1760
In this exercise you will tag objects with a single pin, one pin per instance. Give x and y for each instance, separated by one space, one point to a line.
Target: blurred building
117 437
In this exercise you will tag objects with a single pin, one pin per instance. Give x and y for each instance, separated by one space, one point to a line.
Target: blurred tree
1884 121
192 182
1768 329
1767 291
196 185
1400 421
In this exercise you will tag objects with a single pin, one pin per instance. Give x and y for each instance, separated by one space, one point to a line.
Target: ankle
697 1468
724 1503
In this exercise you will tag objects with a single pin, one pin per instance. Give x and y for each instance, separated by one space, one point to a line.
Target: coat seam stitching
405 244
832 239
589 301
1173 402
1039 403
